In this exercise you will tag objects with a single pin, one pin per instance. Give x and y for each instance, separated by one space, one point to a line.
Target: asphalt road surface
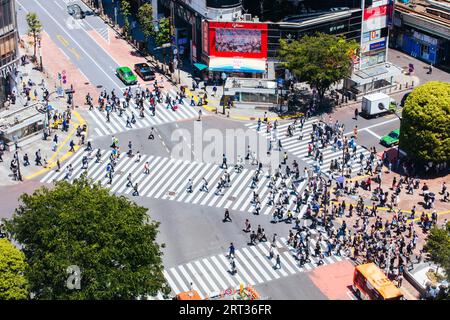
191 224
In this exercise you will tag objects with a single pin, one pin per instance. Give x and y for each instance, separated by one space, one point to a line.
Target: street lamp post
41 66
19 174
224 78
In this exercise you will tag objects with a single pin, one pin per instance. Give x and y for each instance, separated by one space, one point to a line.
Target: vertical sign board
205 37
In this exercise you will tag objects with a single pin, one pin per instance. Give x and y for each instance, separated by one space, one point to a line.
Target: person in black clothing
227 216
26 161
253 238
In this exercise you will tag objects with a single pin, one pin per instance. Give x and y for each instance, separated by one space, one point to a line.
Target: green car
126 75
391 139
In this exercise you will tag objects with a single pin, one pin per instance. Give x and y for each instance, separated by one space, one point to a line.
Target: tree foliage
424 131
34 29
125 8
438 247
163 34
145 18
109 238
13 284
320 60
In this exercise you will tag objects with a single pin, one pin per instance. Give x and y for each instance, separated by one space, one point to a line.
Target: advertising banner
238 39
371 35
374 24
370 13
374 45
377 45
237 65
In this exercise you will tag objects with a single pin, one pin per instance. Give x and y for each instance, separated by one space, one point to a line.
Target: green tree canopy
424 131
34 28
13 284
109 238
145 18
320 60
438 247
125 8
163 34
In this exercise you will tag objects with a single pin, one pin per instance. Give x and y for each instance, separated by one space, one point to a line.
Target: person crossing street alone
227 216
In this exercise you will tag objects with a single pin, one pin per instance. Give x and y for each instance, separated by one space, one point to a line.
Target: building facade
422 30
9 53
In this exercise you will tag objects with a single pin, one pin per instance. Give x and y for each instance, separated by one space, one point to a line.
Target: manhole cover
99 86
87 83
231 198
171 193
282 249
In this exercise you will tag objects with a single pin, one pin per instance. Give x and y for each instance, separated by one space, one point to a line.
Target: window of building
7 45
6 19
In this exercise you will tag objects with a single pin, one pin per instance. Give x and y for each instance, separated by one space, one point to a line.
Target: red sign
205 32
238 39
380 11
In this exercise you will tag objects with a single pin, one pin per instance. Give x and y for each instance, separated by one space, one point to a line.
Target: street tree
424 130
437 247
34 29
125 8
145 18
162 34
320 60
81 242
13 284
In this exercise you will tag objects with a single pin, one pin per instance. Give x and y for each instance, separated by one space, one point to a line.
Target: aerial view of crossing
143 156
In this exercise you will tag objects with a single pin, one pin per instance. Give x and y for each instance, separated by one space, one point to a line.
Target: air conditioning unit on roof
247 17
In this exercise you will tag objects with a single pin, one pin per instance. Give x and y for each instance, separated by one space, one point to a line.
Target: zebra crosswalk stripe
212 275
166 180
205 274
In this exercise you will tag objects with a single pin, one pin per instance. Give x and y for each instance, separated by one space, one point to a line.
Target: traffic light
59 76
64 79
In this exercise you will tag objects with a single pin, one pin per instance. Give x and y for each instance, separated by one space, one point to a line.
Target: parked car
126 75
144 71
391 139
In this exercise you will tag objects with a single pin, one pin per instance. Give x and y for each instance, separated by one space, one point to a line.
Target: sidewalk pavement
54 61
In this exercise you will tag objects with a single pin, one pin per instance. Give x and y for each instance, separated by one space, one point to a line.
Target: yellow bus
370 283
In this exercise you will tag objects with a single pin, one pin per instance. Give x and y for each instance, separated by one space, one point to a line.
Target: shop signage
378 45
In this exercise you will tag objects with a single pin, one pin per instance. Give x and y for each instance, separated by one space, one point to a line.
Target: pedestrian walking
189 186
135 190
224 162
72 146
204 185
271 253
151 136
231 251
146 168
233 266
227 216
278 262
